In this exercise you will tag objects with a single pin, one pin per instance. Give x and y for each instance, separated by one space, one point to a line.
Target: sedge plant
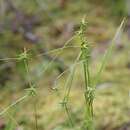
30 92
89 89
90 83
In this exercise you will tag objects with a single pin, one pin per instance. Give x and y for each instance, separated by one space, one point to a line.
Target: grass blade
108 53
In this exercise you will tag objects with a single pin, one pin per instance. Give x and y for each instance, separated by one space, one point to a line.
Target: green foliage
118 7
11 124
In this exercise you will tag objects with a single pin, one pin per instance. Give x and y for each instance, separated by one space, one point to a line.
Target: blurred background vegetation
43 25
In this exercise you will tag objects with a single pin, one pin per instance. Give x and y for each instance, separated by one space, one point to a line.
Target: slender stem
69 115
85 75
35 114
88 94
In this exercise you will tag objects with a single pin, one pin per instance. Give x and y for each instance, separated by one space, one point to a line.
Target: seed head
23 56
